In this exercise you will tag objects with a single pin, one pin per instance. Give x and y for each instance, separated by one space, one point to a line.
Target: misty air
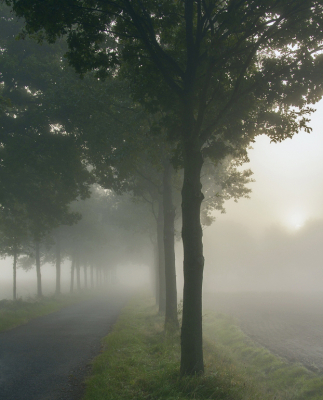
161 220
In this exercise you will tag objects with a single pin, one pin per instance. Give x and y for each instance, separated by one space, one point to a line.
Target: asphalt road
48 358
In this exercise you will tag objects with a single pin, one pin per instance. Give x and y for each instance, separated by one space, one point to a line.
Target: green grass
15 313
274 376
138 361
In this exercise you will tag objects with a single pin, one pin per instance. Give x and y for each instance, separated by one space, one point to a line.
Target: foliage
243 67
41 169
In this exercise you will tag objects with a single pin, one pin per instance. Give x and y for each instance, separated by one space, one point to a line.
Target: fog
270 242
128 277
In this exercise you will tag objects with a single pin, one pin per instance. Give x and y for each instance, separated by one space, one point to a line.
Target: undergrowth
139 361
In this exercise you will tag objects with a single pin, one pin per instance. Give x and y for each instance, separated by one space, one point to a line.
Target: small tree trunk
92 277
114 279
97 275
58 266
72 275
192 197
161 257
78 273
37 256
85 276
156 272
171 319
15 256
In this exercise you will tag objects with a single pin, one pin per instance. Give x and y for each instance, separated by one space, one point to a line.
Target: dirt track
289 325
48 358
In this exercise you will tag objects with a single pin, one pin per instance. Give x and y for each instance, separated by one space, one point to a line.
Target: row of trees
210 75
99 241
74 120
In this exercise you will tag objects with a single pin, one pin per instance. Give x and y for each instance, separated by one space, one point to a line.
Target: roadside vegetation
138 361
19 312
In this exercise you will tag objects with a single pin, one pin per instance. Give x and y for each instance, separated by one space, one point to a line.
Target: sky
289 181
274 240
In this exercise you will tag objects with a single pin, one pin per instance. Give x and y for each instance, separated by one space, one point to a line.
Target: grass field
139 361
15 313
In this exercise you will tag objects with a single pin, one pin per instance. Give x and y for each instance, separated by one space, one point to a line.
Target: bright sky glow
289 181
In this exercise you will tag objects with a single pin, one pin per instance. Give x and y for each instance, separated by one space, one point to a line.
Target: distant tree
14 239
41 168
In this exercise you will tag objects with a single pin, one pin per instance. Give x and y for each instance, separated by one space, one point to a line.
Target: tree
41 168
14 239
221 71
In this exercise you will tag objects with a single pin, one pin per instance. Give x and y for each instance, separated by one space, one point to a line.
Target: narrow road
48 358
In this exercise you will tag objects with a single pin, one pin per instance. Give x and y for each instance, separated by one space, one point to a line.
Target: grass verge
138 361
274 376
15 313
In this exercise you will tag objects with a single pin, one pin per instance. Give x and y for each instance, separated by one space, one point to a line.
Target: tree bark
15 256
72 275
161 257
171 319
192 197
37 256
58 266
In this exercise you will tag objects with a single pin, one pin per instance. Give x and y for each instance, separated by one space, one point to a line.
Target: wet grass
15 313
139 361
274 376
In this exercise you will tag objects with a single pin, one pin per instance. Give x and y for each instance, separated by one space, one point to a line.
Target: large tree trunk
58 266
192 197
72 275
161 257
15 256
37 256
171 319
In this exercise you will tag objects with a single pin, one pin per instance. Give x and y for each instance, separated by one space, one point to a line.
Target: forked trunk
161 257
37 256
171 319
15 256
192 197
58 266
